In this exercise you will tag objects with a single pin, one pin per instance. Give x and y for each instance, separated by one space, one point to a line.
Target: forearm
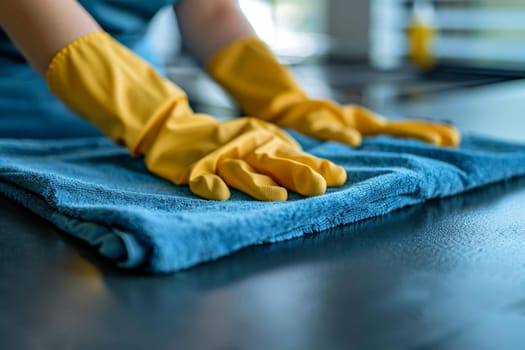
41 28
207 26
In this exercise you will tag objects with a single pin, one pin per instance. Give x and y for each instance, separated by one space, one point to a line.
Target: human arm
39 29
208 26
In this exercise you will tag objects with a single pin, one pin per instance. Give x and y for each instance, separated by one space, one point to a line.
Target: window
293 28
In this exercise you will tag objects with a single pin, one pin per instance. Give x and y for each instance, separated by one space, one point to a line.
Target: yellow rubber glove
264 88
126 99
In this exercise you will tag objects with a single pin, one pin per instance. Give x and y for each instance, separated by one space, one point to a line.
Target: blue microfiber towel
93 190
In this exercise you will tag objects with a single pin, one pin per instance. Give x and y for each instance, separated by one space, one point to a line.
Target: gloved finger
203 180
412 130
370 123
450 136
209 186
287 172
437 134
337 133
333 174
362 119
240 175
324 121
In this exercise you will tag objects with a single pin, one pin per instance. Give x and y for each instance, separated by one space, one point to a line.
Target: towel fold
91 189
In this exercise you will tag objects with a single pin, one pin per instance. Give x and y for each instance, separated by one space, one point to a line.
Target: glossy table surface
448 274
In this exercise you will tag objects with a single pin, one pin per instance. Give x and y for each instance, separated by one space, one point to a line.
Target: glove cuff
114 89
249 71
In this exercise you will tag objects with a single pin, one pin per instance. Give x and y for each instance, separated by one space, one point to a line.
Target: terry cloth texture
93 190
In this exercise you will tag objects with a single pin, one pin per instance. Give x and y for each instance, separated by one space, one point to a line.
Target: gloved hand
264 88
128 101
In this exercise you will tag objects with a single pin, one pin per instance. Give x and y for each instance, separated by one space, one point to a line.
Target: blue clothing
126 20
91 189
27 107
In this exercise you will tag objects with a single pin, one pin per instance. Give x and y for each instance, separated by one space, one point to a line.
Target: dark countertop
449 274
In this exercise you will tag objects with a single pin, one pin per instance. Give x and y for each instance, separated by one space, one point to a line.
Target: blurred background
484 34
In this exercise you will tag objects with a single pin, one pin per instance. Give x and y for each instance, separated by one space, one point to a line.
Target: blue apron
27 107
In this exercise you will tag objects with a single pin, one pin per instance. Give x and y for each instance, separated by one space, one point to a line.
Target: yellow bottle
421 34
